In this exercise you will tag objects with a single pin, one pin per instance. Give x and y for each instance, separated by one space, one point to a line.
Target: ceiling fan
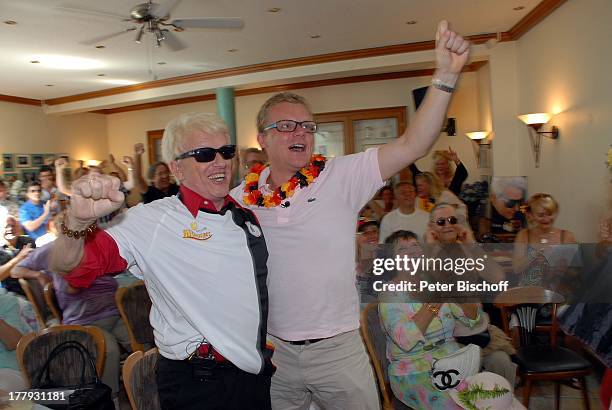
153 18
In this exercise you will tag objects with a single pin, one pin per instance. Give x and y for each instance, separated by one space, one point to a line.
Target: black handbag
87 395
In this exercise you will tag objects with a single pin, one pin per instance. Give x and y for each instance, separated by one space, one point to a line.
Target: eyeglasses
208 154
442 221
511 203
290 126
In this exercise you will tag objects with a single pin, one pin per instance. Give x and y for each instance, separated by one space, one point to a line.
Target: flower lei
301 179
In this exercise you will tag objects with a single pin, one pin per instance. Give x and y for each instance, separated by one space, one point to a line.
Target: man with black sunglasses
308 207
203 261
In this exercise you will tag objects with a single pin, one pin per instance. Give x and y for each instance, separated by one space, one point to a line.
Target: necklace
301 179
544 237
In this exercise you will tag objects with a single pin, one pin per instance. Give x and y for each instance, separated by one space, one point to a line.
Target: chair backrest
33 350
34 293
51 300
134 306
374 337
525 302
139 380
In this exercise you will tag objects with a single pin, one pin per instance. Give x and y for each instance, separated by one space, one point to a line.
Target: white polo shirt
311 245
206 276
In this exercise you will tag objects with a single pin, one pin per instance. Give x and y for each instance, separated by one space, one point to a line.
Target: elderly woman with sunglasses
537 257
203 260
419 333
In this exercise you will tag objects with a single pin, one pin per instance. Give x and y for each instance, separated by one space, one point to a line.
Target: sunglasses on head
442 221
208 154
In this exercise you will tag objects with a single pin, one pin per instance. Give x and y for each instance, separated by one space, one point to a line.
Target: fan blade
163 10
173 42
67 8
99 39
211 22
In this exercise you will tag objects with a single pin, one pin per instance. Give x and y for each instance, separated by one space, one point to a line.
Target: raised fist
61 163
452 50
127 161
94 196
139 148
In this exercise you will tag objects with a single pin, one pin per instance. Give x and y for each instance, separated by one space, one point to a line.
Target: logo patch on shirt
194 233
253 229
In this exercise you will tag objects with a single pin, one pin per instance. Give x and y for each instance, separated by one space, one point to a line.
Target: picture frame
49 159
22 161
37 160
8 162
8 175
29 174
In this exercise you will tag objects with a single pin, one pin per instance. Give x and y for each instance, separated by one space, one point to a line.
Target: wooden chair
33 350
374 337
537 361
34 293
139 380
51 300
134 307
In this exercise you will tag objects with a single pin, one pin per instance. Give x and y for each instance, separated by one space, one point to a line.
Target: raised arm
60 177
113 167
5 270
34 224
452 53
130 182
139 181
93 196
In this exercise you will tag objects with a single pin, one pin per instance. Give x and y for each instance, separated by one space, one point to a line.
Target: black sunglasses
208 154
442 221
511 203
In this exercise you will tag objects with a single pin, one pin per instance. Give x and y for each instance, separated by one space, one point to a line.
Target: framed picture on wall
49 159
10 176
8 162
29 175
22 160
38 160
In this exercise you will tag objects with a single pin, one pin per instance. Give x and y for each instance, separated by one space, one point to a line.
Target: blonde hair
277 99
435 186
185 125
545 201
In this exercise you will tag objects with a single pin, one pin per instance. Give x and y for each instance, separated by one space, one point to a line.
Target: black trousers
228 389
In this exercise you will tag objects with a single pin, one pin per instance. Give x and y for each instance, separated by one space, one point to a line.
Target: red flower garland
301 179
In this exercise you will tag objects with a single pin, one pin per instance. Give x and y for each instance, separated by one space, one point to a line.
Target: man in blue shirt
34 214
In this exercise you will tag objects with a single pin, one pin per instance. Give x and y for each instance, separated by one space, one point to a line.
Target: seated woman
417 334
16 319
537 259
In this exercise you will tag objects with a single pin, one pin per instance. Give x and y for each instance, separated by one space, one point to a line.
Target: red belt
205 349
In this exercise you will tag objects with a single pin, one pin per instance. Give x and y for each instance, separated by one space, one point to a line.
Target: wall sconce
93 162
535 122
482 147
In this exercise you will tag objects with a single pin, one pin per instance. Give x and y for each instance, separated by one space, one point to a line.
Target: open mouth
217 178
297 147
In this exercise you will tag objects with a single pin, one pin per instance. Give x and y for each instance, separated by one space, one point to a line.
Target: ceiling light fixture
411 22
315 36
118 81
232 50
49 85
161 63
518 8
274 10
100 46
60 62
101 75
10 22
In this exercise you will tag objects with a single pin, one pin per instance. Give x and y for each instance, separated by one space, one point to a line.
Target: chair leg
557 394
585 393
526 392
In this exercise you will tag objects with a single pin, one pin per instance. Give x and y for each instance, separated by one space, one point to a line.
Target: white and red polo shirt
205 271
312 248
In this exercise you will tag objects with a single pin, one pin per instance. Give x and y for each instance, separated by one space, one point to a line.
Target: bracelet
78 234
432 309
437 83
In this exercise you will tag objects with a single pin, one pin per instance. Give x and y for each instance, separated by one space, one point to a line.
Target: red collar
195 202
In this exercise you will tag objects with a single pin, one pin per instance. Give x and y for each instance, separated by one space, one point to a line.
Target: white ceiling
44 27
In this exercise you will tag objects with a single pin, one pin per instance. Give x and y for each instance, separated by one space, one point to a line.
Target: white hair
185 125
